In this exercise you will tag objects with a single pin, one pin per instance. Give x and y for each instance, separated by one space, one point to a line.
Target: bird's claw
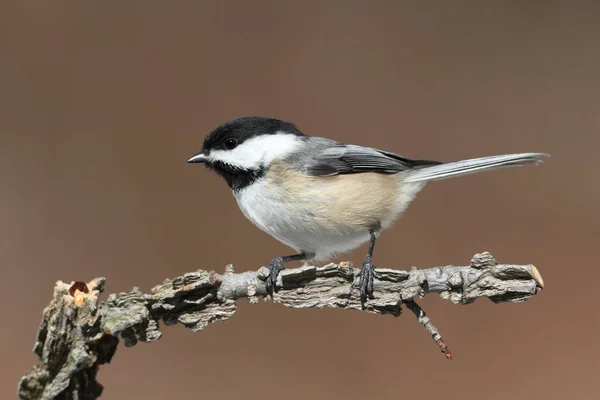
366 280
275 267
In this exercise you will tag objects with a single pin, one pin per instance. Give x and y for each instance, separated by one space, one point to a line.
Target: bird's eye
231 144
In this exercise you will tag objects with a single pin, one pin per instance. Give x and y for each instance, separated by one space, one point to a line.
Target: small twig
431 329
79 333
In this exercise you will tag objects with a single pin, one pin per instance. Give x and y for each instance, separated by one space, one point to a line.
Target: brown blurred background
101 103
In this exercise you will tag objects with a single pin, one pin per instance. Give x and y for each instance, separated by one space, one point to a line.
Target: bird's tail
464 167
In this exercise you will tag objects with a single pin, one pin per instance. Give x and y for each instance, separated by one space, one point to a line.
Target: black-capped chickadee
321 197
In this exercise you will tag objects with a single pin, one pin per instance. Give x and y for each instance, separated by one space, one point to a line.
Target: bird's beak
199 158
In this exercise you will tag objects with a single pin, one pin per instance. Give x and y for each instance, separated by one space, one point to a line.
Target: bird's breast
310 213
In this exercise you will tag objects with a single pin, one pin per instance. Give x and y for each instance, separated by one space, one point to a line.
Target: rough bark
79 332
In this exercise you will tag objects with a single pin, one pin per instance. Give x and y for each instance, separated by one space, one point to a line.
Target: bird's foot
366 280
275 267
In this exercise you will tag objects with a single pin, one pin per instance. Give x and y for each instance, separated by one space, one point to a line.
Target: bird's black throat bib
237 178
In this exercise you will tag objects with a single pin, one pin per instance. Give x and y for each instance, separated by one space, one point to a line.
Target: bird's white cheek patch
258 151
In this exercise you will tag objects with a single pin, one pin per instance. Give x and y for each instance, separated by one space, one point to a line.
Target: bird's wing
351 159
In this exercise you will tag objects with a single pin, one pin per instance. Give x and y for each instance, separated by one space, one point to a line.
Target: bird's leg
366 272
276 266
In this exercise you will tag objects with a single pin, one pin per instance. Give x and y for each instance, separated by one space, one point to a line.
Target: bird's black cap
244 128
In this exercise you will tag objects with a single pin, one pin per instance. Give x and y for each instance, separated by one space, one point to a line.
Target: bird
320 197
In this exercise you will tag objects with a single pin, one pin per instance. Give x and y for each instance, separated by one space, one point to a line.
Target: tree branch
78 332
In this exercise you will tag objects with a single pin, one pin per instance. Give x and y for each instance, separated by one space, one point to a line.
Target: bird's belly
299 224
323 217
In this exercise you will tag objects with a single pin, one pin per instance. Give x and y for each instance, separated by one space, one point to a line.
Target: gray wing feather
350 159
